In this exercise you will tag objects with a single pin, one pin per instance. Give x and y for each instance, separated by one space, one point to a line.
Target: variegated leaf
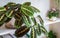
27 3
8 19
40 19
26 21
27 10
43 29
22 31
18 15
33 33
9 13
18 23
34 20
38 29
3 18
2 9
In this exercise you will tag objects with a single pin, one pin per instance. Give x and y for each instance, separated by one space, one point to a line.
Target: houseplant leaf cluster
53 13
24 16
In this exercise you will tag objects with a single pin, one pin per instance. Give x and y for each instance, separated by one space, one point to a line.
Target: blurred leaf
33 33
38 30
34 20
3 18
22 31
51 34
29 19
25 19
9 13
27 3
2 9
18 23
43 29
1 24
27 10
18 15
35 9
40 19
8 19
11 3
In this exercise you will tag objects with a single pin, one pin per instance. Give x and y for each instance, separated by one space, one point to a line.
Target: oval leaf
21 31
33 33
27 3
27 10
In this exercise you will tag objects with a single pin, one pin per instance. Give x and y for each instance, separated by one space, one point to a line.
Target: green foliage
27 3
33 33
51 34
23 14
40 19
21 31
53 13
2 9
38 29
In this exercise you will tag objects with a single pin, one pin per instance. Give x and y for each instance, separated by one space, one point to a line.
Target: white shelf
47 22
6 31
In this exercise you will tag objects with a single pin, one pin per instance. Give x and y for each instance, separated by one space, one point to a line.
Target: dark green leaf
9 13
17 15
2 9
43 29
38 30
10 4
18 23
34 20
22 31
1 24
29 20
8 19
40 19
27 3
51 34
3 18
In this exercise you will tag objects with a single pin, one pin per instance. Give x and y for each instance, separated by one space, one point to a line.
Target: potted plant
53 14
24 17
52 34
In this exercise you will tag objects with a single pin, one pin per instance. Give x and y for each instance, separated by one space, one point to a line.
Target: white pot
52 19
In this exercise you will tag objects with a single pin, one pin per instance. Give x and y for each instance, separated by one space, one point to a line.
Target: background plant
53 13
52 34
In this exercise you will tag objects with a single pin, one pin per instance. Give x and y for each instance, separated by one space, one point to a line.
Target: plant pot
10 24
52 19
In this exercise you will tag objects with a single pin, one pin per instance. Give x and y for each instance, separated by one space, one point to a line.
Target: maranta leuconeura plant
23 14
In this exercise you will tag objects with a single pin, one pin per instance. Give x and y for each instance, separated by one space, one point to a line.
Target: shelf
6 31
47 22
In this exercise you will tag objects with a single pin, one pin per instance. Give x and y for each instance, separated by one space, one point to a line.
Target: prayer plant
24 16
